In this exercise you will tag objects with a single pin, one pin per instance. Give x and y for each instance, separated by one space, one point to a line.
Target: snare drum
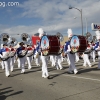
50 45
78 43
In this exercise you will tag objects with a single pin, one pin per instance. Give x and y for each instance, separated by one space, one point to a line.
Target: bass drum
50 45
78 43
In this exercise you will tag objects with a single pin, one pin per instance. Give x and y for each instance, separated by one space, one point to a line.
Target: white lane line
85 78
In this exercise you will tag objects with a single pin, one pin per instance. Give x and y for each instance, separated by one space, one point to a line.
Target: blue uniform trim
96 45
66 46
34 51
18 50
38 47
2 50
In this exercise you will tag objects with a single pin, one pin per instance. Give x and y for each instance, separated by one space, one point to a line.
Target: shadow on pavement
29 71
4 91
56 75
87 70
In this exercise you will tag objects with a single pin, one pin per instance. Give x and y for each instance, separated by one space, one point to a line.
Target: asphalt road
61 85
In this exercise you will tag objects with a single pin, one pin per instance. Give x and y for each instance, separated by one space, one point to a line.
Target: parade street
61 86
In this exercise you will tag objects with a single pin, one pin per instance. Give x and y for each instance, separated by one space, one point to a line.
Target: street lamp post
86 25
81 16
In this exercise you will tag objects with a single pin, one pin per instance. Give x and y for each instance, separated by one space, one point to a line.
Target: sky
51 15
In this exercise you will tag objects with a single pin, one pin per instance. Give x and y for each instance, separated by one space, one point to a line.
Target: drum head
74 44
45 45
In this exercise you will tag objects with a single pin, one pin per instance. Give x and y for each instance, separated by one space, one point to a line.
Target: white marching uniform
22 59
12 52
29 56
36 55
4 53
66 57
58 61
52 59
67 49
97 48
93 52
86 57
44 59
2 63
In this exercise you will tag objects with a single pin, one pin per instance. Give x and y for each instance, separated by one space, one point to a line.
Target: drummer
45 73
71 55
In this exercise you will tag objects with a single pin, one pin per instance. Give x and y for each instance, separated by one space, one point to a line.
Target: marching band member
37 58
97 46
62 52
16 57
52 59
86 56
70 54
21 53
45 73
66 55
93 51
58 61
4 55
29 55
2 62
12 55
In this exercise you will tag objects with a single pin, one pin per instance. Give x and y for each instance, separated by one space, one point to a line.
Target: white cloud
56 16
57 11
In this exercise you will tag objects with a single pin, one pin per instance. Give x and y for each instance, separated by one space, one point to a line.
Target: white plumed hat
97 34
41 32
70 33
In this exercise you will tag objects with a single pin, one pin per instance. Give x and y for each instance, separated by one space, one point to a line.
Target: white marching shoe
75 71
22 72
7 75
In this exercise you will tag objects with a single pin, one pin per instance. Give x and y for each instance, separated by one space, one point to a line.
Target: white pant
68 60
7 67
52 59
86 60
2 64
93 55
72 62
37 60
76 57
99 59
29 59
18 63
58 62
22 63
44 66
12 63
